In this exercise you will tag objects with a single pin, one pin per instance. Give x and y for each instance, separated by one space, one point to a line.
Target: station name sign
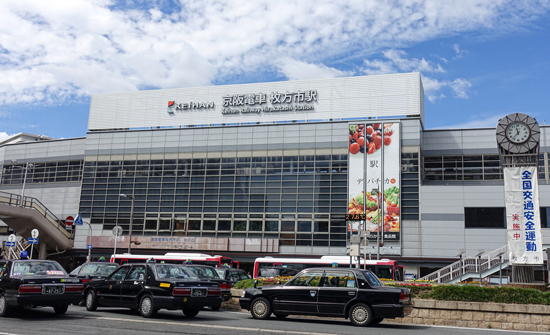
277 102
254 103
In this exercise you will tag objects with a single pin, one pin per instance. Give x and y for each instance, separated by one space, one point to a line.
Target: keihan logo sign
174 106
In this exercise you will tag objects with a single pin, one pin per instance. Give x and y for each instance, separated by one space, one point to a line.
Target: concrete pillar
42 251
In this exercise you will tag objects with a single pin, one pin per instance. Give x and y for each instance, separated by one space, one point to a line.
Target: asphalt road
78 320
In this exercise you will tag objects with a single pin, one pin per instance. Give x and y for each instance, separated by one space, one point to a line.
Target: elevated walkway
24 215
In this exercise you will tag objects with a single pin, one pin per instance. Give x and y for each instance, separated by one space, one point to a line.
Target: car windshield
204 272
221 272
269 272
372 279
99 269
37 268
172 271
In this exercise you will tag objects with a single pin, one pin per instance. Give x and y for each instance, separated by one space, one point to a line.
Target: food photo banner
374 193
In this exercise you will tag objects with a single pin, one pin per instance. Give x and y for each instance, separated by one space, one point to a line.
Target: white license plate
52 290
201 292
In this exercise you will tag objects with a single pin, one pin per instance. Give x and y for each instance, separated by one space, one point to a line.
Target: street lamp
131 197
27 167
374 192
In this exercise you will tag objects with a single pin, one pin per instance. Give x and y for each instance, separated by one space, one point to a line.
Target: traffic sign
89 246
78 221
35 233
117 230
32 240
10 244
11 238
69 220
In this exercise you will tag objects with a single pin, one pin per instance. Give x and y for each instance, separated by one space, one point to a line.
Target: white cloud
297 70
55 50
459 53
3 136
433 87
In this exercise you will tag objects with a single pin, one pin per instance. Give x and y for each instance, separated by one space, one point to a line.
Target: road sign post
32 241
69 221
10 244
117 231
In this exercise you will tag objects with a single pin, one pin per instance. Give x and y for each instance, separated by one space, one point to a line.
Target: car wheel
377 321
280 316
147 307
216 308
91 301
190 312
361 315
61 309
261 308
4 309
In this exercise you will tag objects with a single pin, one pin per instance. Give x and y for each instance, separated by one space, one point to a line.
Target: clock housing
518 133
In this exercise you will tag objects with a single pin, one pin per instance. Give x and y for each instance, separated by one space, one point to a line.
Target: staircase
471 267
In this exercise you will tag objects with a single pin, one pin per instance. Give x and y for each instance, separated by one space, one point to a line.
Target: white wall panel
366 96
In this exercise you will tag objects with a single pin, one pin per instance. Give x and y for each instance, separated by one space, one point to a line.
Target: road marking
209 326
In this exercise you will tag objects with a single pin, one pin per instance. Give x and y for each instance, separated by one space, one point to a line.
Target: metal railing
33 203
488 261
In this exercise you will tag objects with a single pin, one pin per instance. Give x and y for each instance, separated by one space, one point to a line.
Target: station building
268 169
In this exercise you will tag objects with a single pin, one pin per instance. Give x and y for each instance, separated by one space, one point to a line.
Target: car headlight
243 294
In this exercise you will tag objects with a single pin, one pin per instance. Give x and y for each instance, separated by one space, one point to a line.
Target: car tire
260 308
216 308
190 312
377 321
4 308
60 309
280 316
361 315
91 301
147 306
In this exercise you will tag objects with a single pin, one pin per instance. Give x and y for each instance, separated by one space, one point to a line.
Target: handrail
33 203
469 265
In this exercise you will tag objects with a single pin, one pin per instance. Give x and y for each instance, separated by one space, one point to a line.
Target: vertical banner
356 177
523 215
381 142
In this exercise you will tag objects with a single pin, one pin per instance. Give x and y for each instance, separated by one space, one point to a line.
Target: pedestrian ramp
23 214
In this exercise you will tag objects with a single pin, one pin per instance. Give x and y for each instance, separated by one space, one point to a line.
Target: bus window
384 272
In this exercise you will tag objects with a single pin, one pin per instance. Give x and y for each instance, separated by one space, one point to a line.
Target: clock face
518 132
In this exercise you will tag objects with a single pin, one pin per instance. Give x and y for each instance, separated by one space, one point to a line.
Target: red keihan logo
170 103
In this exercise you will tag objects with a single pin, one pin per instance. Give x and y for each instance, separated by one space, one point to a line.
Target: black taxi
37 283
151 286
207 272
333 292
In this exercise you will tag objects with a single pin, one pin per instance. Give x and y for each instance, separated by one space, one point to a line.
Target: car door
299 295
109 290
132 285
337 289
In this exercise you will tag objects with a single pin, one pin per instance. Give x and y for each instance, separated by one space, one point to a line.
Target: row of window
469 167
495 217
49 172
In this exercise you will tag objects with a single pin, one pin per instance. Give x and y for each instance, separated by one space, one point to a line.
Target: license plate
200 292
52 290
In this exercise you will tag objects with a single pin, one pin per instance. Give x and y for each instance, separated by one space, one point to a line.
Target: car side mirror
255 283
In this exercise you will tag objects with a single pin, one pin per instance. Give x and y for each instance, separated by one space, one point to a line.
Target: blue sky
479 60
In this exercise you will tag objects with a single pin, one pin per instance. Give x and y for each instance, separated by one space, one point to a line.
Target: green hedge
509 295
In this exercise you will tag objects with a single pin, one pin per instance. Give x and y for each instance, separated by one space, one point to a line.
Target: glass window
309 278
339 279
119 274
372 279
490 217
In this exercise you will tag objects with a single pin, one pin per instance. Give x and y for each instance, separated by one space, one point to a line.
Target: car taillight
30 289
225 286
403 298
84 280
181 291
74 288
214 291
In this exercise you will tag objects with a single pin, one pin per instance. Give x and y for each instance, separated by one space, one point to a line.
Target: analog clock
518 132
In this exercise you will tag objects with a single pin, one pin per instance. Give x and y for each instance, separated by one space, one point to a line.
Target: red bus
177 257
384 268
